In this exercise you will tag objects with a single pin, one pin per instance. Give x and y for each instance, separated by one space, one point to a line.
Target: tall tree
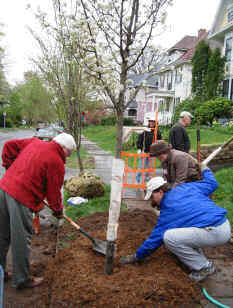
215 75
62 64
200 62
119 31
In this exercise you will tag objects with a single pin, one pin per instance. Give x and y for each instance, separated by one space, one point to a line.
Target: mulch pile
75 277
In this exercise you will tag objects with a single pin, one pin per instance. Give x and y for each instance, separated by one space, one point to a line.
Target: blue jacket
185 206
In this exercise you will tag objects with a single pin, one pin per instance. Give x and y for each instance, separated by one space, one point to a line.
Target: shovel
214 153
98 245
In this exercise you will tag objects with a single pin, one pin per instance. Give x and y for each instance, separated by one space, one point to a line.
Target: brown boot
32 283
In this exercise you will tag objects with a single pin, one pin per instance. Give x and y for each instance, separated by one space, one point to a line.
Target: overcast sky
185 17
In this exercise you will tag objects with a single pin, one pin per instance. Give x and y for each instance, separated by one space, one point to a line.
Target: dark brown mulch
75 278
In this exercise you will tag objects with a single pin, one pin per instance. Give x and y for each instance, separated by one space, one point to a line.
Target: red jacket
36 174
11 150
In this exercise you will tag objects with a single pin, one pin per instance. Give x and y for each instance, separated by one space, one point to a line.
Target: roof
190 52
149 78
183 44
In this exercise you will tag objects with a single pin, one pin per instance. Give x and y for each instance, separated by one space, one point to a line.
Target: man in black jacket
178 137
144 142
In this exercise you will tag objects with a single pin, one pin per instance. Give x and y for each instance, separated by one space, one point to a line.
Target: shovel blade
100 246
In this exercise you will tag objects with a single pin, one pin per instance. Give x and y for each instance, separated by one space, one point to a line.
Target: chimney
201 33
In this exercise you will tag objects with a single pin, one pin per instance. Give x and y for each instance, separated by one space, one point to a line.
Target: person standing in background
144 142
178 137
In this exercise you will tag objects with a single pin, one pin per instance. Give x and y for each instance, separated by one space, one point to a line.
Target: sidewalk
220 285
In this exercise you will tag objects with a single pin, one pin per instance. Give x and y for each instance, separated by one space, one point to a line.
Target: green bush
212 110
186 105
131 143
128 122
110 121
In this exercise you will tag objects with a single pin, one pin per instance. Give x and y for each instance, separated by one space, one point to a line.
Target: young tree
120 32
62 65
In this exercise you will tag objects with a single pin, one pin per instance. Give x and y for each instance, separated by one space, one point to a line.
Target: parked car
46 134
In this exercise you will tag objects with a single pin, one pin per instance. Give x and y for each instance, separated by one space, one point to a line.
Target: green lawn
94 205
72 161
224 194
105 136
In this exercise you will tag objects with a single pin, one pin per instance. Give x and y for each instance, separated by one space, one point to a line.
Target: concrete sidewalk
220 285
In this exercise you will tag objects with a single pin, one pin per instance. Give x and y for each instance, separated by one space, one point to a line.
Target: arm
140 141
154 241
11 150
177 138
208 184
181 167
55 178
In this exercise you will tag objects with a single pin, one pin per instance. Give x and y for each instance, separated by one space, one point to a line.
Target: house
222 32
170 84
175 77
140 105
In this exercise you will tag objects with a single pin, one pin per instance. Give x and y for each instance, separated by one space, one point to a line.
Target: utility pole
4 119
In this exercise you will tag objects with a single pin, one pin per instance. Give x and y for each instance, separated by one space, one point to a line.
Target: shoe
7 276
32 283
203 273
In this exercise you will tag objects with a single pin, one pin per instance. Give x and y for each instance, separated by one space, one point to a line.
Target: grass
223 196
94 205
105 136
72 161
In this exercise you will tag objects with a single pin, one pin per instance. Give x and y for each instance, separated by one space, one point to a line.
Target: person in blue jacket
188 222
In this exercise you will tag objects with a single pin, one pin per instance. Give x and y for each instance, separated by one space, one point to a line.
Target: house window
169 81
132 112
225 88
228 48
230 14
162 77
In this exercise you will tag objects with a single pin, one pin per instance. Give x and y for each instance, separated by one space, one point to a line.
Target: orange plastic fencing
131 170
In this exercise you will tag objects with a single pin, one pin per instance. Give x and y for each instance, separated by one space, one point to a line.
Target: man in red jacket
35 171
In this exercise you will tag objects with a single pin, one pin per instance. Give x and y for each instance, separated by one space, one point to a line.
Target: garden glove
130 259
204 167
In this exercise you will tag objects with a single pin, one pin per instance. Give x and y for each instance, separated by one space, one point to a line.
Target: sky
185 17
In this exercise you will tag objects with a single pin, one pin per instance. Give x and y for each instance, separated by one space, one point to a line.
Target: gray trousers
187 243
15 229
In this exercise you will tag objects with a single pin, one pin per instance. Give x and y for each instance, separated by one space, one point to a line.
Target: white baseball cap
153 184
185 114
65 140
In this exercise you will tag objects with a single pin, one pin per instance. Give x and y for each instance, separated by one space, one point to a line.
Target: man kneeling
189 221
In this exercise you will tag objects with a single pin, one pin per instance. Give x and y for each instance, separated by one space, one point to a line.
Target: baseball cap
153 184
185 114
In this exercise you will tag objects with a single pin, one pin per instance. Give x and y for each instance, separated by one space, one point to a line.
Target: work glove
130 259
203 167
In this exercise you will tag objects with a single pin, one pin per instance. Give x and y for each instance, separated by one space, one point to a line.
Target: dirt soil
75 277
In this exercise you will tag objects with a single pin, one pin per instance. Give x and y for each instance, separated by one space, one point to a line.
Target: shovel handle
79 228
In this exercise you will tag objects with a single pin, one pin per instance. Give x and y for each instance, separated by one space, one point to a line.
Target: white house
222 32
175 77
168 85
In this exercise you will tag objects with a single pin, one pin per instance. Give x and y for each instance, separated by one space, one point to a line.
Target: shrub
128 122
213 110
110 121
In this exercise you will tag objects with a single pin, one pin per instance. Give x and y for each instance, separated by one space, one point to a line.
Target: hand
203 167
59 214
130 259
